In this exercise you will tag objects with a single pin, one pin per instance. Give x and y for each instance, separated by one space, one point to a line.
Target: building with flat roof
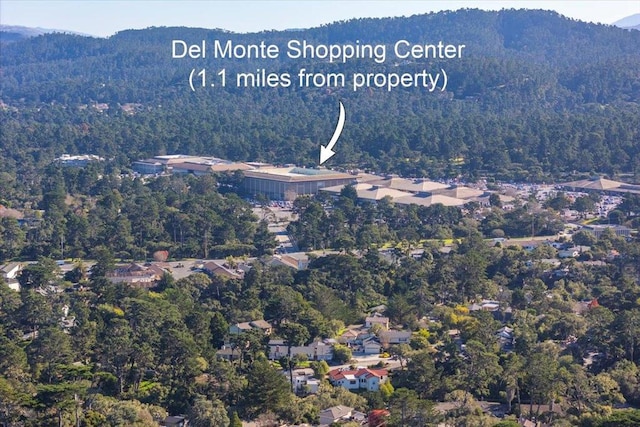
79 161
206 168
185 164
148 167
290 182
598 229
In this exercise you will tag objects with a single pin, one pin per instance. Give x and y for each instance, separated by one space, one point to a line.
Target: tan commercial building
290 182
602 185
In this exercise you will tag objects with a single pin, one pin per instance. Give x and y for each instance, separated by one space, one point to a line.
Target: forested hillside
534 95
455 310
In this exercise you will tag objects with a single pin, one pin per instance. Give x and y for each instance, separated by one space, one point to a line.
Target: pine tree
235 421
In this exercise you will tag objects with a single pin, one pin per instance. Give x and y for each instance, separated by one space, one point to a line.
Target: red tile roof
338 374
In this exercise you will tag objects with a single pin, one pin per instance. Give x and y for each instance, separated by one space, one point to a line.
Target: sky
106 17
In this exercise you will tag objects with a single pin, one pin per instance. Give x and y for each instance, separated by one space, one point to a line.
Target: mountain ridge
525 75
13 33
631 21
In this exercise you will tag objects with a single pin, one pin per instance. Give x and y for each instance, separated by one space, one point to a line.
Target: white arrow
326 152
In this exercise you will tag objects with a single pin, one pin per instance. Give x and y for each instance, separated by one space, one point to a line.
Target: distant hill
14 33
535 94
632 21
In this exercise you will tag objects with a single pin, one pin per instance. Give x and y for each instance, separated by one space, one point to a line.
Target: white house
362 378
303 380
10 272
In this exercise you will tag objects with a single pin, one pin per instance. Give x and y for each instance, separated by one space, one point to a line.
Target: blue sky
106 17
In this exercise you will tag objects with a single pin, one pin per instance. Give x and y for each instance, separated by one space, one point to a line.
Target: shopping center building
290 182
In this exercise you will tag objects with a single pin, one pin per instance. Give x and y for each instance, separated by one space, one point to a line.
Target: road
284 240
278 219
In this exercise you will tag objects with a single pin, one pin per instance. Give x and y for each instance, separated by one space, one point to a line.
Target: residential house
66 322
303 380
227 352
377 319
572 251
553 410
503 315
545 263
505 338
10 272
361 378
597 263
378 309
335 414
561 272
569 253
223 269
296 262
175 421
530 245
612 254
314 351
371 346
526 423
30 335
330 341
349 336
239 328
453 333
392 337
485 305
49 290
500 314
137 275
